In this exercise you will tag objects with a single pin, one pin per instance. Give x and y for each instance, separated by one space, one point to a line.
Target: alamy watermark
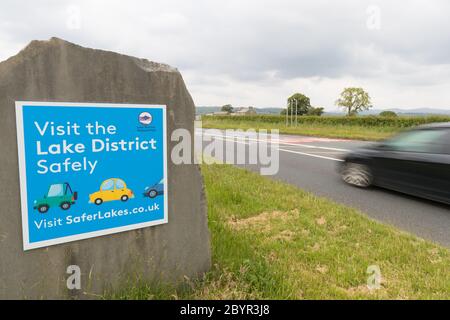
373 21
237 147
74 279
73 21
374 279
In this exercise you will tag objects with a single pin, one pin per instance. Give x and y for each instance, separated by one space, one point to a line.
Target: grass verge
271 240
309 129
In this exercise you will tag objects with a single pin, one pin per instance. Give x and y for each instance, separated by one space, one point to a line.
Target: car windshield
417 141
56 190
162 181
108 185
120 184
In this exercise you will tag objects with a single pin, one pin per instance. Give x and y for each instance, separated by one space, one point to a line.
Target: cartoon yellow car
113 189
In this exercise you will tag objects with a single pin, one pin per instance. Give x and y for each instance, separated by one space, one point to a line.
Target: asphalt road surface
310 163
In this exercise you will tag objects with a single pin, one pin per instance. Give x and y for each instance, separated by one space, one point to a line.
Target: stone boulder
57 70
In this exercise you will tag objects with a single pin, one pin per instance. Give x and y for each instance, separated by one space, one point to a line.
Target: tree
315 111
388 114
298 102
354 100
227 108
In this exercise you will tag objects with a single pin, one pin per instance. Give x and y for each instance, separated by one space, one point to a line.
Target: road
310 163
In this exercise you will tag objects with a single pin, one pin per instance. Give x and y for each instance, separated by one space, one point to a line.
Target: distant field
271 240
360 128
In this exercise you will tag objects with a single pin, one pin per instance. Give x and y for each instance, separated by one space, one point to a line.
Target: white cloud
259 52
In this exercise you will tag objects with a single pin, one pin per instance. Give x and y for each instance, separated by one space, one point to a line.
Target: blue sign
88 170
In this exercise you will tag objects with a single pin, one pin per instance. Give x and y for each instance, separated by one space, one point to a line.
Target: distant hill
211 109
204 110
423 111
405 112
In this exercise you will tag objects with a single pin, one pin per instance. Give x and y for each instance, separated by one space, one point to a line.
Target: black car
415 162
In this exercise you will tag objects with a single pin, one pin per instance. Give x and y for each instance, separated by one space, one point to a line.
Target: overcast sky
256 52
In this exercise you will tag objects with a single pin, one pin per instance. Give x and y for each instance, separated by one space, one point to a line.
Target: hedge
363 121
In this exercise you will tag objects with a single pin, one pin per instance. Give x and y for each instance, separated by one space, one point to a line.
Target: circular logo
145 118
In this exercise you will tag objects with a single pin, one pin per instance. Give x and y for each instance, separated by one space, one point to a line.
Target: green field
359 128
271 240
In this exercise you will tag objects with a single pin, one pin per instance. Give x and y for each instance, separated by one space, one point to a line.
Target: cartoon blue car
155 190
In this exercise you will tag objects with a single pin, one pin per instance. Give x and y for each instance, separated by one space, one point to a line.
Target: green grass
358 127
309 129
271 240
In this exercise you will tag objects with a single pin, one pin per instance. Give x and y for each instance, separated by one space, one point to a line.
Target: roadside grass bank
359 128
317 130
271 240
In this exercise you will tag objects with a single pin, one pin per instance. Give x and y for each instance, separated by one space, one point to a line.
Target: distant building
245 111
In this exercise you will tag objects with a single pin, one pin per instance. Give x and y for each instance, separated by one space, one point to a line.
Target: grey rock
57 70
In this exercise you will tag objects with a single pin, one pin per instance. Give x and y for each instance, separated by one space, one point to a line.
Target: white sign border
23 181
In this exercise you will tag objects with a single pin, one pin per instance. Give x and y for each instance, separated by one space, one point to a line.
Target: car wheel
152 194
98 201
124 198
358 175
65 206
43 209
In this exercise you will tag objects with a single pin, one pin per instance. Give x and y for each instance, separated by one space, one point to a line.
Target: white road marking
284 150
311 155
284 143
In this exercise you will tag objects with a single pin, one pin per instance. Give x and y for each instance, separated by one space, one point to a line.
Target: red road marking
309 140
